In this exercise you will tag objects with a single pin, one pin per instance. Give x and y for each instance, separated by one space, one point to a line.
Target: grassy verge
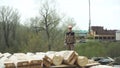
97 48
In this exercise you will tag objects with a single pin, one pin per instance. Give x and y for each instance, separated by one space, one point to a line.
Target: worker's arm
74 39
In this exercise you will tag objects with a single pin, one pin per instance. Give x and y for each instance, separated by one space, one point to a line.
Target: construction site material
20 60
82 61
36 64
9 64
92 64
102 66
22 63
50 59
1 55
69 57
35 61
64 66
57 60
7 54
47 61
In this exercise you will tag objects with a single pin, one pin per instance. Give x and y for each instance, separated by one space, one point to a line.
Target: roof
101 31
80 31
118 31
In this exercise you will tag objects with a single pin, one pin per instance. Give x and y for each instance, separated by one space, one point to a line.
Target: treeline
41 33
99 49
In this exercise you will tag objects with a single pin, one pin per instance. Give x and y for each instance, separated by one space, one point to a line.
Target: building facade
99 33
118 35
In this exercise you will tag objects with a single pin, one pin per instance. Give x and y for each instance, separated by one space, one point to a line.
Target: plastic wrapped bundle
35 61
70 57
82 61
20 60
1 55
2 62
7 55
47 62
57 59
9 64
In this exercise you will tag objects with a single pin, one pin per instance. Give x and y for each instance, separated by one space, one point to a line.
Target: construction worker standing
70 38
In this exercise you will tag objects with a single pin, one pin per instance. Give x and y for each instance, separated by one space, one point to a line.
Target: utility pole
89 16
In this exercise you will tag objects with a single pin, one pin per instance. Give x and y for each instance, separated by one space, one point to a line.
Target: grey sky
103 12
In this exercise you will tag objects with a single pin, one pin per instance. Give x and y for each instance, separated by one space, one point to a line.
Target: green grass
96 48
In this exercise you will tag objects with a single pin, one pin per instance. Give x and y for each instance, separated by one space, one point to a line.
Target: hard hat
69 26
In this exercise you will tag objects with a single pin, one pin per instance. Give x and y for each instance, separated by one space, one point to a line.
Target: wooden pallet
9 65
23 64
35 64
64 66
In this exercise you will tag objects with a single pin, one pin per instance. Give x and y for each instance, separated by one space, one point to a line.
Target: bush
91 49
98 49
113 49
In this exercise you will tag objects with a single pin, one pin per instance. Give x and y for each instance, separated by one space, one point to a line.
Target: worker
69 38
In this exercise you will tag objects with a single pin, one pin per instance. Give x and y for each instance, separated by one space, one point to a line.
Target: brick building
99 33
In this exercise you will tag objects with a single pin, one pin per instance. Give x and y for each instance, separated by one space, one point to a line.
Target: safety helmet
70 26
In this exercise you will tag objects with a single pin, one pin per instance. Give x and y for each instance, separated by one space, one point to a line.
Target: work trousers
70 46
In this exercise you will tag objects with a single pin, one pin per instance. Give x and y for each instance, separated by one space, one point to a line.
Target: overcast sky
103 12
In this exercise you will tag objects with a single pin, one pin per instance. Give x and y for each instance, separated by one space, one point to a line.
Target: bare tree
9 19
49 20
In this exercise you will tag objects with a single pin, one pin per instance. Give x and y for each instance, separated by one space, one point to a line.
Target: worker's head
70 27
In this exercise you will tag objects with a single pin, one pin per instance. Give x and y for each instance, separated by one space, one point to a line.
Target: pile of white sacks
45 59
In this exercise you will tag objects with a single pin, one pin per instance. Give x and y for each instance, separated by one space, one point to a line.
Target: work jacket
70 38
